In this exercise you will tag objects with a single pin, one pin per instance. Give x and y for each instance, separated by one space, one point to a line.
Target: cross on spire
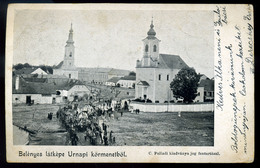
71 27
151 32
152 23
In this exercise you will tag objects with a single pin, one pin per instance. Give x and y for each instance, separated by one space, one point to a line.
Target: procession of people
90 120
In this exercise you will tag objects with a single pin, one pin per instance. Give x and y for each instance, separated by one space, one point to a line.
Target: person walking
105 140
111 137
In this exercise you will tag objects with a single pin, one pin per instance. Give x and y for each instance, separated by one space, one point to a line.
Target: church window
146 48
159 76
167 77
70 54
154 48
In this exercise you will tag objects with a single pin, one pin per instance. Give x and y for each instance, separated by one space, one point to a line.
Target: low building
29 70
112 81
205 91
100 75
49 78
32 92
203 77
127 81
46 93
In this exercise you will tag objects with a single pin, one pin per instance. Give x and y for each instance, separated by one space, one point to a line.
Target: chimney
17 82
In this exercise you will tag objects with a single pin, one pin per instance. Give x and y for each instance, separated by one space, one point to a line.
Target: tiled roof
110 71
33 87
119 72
26 87
202 76
25 71
114 79
69 85
48 76
143 83
171 61
207 84
59 65
96 69
128 78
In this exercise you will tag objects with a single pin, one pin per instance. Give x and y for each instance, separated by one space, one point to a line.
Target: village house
203 77
32 92
127 81
100 75
205 91
46 93
155 71
49 78
29 70
112 81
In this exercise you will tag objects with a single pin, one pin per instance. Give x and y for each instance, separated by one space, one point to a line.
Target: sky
113 38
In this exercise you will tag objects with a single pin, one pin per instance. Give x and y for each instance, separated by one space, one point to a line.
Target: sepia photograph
130 78
129 83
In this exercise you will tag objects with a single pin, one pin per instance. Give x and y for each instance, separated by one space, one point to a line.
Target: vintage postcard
130 83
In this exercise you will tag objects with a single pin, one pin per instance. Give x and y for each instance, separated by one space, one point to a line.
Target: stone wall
164 107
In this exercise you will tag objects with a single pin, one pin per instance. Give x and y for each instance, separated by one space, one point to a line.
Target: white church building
67 66
155 71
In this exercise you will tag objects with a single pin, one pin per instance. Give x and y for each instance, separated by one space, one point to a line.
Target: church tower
151 44
69 51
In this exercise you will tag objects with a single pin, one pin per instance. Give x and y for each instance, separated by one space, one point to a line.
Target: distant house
74 90
32 92
127 81
205 91
32 70
39 71
112 81
117 73
203 77
49 78
46 93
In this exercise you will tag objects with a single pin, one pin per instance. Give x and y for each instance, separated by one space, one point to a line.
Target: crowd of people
90 120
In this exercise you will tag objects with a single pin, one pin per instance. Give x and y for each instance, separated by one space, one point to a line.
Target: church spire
151 32
71 30
70 39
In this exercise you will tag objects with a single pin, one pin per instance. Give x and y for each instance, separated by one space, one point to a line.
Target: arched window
70 54
159 77
154 48
146 48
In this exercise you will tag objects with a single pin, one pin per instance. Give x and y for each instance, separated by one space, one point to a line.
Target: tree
18 66
185 84
132 73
